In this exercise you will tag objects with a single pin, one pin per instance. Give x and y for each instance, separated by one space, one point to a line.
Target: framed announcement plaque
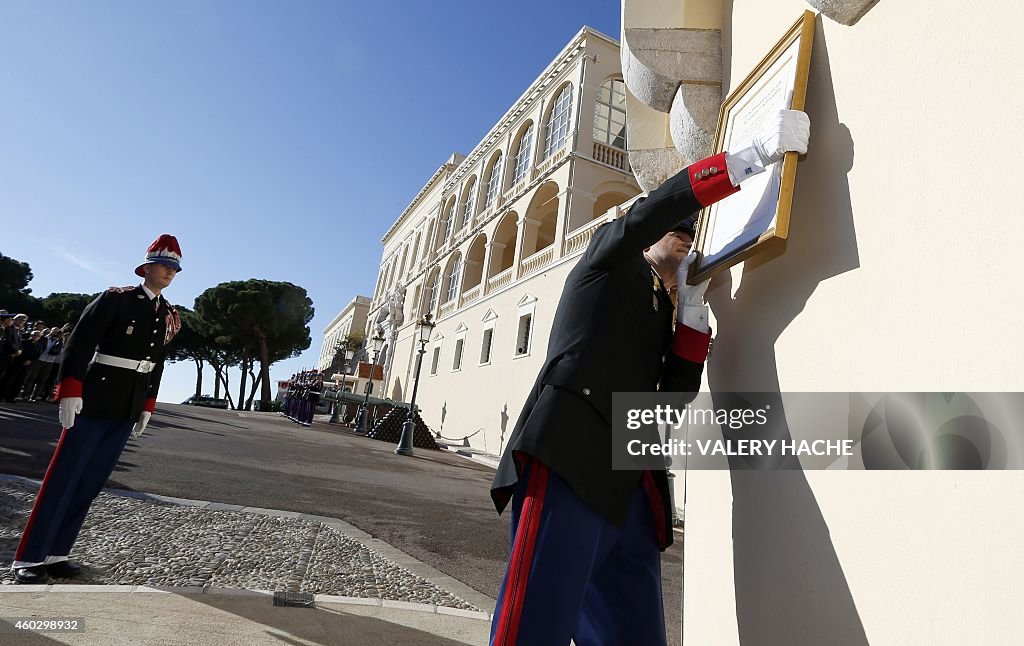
756 217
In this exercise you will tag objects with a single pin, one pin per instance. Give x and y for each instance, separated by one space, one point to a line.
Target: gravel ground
135 542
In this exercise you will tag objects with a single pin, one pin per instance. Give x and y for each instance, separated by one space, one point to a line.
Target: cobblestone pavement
128 541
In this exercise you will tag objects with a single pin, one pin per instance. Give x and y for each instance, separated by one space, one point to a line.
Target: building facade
487 243
352 318
900 274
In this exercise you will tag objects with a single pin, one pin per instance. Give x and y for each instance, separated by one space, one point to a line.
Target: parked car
206 402
273 406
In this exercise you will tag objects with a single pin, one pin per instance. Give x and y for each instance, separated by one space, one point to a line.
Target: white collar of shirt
148 293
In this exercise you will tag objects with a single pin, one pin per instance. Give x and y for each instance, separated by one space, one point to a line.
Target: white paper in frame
757 216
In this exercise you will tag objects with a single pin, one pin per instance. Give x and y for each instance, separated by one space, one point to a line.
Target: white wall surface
902 273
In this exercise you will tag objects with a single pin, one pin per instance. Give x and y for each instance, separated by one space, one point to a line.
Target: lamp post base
405 443
334 414
676 521
361 420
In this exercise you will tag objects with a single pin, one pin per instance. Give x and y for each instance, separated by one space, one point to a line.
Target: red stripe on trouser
657 506
39 497
522 556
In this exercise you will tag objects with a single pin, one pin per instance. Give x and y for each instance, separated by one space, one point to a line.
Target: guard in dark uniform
297 395
289 395
586 540
307 389
109 380
318 393
312 399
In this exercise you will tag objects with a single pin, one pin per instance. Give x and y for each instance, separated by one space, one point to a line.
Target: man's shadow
790 587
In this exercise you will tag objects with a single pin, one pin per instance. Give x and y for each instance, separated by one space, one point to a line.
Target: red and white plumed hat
164 250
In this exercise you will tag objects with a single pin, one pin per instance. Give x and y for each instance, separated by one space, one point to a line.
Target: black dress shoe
63 569
35 574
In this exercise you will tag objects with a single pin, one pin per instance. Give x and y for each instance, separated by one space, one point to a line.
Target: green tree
193 344
60 308
352 341
15 276
257 320
15 295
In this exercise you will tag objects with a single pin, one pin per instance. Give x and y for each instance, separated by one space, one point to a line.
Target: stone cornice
470 234
845 12
564 59
445 167
348 309
455 171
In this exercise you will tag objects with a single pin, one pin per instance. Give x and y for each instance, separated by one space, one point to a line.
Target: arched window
493 182
380 284
429 244
401 265
610 114
449 220
415 251
523 155
453 279
557 130
469 207
435 290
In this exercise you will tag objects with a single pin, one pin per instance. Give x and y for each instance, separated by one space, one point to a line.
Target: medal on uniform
129 330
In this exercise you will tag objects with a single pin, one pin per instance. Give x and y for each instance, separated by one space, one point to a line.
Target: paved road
435 506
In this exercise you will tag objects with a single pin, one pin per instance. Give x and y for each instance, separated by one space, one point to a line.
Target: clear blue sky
276 140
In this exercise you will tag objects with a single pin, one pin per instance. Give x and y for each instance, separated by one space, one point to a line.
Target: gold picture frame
756 218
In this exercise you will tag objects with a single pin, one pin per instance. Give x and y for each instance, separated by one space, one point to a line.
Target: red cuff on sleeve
69 387
150 406
690 344
709 179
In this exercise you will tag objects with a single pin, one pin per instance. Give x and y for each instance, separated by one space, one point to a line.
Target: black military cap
687 226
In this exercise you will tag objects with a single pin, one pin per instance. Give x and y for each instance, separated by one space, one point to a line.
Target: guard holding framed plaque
585 559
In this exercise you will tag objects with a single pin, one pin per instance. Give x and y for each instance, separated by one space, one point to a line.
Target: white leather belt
127 364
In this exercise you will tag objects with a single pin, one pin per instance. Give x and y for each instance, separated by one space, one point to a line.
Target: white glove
692 311
69 407
141 424
787 131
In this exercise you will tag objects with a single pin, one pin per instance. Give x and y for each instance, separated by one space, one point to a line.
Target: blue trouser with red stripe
574 575
83 460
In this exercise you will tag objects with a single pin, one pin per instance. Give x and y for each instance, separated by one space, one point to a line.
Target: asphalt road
434 506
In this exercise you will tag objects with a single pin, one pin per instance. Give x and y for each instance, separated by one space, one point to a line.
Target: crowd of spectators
30 356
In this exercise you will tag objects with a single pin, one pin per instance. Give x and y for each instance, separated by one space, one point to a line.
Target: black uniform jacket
11 342
123 322
612 332
32 350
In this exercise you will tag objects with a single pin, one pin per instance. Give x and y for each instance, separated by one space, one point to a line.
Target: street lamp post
409 427
676 520
363 413
344 376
